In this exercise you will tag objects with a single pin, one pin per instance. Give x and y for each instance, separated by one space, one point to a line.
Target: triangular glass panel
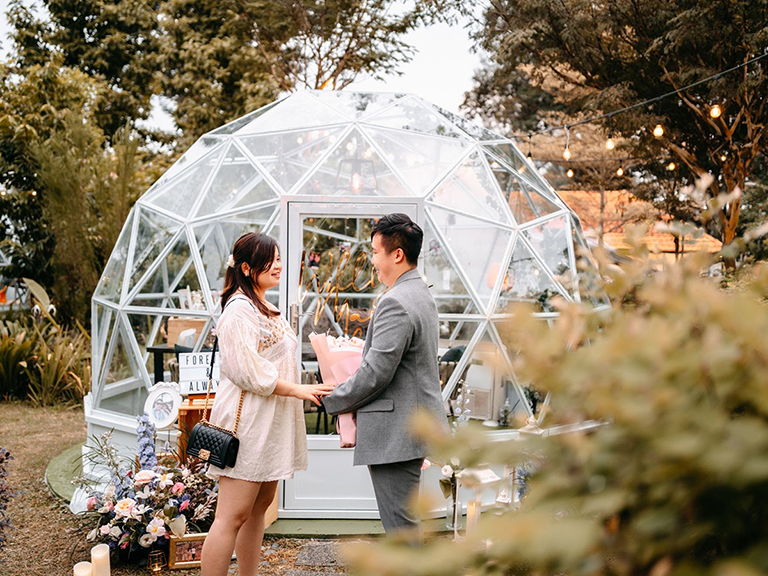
110 284
121 364
236 180
550 241
509 154
180 194
154 233
444 281
524 201
216 239
455 336
590 284
176 271
474 391
289 155
421 160
103 324
235 125
356 105
200 148
478 247
474 130
526 281
470 190
301 110
354 168
410 114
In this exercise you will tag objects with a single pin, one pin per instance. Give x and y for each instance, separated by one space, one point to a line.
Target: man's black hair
399 231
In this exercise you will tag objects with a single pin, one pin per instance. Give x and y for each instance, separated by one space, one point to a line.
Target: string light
715 111
671 166
570 173
658 131
723 157
34 192
609 145
620 171
567 151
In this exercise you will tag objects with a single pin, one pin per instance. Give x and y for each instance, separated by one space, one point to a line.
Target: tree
618 53
222 59
113 41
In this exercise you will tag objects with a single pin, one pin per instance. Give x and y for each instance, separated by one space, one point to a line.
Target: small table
159 353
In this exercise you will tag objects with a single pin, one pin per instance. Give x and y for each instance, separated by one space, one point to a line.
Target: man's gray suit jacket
398 375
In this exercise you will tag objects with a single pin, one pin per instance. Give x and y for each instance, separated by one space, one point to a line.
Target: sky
441 70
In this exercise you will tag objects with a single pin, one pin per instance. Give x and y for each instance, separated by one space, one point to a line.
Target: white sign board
193 373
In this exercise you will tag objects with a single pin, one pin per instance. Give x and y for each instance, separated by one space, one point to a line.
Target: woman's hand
312 392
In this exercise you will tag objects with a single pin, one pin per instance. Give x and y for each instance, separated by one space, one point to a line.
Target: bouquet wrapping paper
338 360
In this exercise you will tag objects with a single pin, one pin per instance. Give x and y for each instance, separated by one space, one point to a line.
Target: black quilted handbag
210 443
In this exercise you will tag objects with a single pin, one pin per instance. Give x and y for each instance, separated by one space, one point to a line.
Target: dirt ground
46 539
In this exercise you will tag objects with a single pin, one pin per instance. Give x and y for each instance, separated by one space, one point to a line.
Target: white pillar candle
471 515
83 569
100 560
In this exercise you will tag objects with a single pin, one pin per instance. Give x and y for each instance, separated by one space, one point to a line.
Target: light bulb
658 131
530 157
357 182
34 192
723 158
715 111
350 146
299 140
671 166
620 171
567 153
570 173
609 145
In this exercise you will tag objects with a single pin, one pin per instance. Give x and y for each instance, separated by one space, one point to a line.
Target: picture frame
185 551
162 404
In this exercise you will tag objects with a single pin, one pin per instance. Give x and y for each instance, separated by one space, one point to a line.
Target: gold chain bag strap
211 443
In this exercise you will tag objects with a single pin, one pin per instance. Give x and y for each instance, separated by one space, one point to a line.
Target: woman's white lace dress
254 351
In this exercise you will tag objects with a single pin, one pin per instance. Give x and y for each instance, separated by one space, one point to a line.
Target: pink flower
90 504
178 488
184 505
144 477
124 545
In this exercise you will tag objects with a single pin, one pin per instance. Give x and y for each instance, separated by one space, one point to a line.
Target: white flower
146 540
124 507
455 461
185 473
166 480
156 528
104 529
109 492
144 494
115 532
139 510
447 470
144 477
105 509
92 534
231 261
426 464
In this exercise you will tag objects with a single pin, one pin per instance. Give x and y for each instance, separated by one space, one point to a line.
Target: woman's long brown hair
258 251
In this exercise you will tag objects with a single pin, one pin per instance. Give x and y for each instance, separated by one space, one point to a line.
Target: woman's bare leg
233 508
251 534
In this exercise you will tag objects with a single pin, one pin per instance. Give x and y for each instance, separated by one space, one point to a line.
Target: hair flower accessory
231 261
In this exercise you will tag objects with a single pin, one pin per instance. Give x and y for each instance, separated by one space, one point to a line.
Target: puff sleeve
239 336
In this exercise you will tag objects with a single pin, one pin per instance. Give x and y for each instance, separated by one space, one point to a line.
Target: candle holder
156 562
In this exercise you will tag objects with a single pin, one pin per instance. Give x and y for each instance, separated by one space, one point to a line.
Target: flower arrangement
143 505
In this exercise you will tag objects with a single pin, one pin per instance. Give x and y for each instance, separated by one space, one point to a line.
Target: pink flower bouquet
339 359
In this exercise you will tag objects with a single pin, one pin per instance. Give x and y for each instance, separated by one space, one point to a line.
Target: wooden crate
190 413
177 324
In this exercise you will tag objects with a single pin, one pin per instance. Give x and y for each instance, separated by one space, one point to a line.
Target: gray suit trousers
394 485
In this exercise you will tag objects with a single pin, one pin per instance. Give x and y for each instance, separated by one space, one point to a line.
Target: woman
257 354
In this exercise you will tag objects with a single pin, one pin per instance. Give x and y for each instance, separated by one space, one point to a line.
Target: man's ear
399 255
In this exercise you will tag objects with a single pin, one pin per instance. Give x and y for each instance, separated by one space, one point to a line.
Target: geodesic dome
495 231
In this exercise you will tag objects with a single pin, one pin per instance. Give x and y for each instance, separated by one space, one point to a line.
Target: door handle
294 317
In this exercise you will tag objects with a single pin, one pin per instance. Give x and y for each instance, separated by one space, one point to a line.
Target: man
398 374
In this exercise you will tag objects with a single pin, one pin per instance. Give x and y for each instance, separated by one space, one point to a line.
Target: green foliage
41 361
674 480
